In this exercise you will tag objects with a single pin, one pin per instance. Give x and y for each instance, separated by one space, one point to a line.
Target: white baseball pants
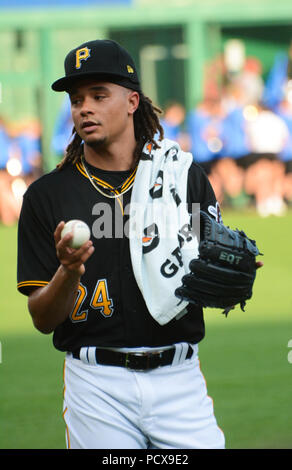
109 407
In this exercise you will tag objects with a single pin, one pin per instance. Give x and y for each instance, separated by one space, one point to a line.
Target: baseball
80 230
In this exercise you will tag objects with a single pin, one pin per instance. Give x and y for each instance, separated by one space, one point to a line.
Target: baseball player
132 378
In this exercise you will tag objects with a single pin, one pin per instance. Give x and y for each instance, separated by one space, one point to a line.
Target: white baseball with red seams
80 230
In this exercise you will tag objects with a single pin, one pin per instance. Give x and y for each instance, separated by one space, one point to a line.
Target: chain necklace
95 184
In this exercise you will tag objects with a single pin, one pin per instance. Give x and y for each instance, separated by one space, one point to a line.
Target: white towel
161 242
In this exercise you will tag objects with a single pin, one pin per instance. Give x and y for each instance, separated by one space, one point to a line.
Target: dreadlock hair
146 126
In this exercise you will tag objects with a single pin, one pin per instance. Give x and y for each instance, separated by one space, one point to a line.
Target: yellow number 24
100 301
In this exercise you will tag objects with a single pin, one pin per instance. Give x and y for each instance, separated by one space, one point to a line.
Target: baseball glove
223 274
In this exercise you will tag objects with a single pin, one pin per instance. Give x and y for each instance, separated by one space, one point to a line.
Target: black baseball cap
104 59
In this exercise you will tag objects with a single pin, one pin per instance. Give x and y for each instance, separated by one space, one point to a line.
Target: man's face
102 111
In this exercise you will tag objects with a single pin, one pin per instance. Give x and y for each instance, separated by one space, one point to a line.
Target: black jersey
109 310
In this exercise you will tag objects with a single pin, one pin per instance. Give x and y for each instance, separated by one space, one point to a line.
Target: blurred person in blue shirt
63 129
285 112
241 90
4 145
231 164
204 125
28 140
275 83
173 121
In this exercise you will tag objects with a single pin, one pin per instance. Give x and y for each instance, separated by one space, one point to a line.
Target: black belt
135 360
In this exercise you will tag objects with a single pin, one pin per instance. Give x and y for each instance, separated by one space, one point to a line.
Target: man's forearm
49 306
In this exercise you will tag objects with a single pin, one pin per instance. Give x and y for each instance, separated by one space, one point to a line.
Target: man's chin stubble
96 144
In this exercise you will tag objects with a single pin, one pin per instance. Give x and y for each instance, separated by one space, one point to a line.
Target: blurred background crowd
20 164
240 133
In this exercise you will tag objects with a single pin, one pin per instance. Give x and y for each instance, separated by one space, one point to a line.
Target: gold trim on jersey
106 185
32 284
129 180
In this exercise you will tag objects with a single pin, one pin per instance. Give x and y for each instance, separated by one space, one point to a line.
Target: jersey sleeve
200 191
36 254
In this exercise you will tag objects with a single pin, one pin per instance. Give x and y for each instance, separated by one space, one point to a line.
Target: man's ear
133 100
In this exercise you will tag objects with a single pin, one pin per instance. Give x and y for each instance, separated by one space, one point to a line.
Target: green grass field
244 357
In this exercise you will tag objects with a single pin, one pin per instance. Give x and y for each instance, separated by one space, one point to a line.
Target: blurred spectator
20 156
246 86
63 128
274 88
267 135
172 123
9 208
230 167
174 116
205 128
285 112
28 138
4 139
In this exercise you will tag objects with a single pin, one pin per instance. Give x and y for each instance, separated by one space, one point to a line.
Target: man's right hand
50 305
72 260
